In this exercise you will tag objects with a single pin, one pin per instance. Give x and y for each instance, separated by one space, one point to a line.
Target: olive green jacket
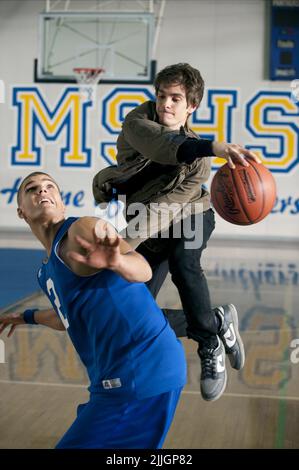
142 141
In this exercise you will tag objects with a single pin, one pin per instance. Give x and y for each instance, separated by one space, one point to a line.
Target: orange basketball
244 195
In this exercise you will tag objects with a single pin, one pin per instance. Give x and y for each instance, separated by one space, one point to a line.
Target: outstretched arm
193 148
43 317
165 146
93 244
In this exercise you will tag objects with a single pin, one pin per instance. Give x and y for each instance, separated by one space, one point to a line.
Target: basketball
244 195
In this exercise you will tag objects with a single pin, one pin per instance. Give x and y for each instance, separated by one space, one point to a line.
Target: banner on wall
49 128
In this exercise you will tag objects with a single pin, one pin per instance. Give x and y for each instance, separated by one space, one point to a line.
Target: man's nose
42 190
167 102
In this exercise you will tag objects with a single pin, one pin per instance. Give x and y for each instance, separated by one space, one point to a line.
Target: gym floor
42 380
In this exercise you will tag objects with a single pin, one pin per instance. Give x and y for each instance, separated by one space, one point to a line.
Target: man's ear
191 109
20 213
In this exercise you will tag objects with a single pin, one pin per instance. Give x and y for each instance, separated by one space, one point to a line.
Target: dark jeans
197 319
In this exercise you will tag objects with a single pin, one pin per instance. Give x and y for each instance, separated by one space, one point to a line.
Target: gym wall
226 39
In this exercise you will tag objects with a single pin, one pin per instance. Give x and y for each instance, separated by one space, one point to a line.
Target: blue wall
18 269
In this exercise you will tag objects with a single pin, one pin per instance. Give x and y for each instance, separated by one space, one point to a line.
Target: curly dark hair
182 74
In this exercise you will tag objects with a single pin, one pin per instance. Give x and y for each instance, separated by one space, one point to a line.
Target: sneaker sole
238 338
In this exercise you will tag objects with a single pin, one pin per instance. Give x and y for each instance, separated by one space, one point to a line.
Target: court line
43 384
246 395
184 392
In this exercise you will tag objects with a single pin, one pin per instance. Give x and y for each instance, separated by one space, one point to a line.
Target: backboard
120 43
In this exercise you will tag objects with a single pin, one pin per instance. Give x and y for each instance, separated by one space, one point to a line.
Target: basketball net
87 79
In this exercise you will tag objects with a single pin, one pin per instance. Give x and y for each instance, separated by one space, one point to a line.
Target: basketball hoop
88 76
87 79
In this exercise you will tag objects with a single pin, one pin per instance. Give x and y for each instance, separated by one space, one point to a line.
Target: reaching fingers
83 243
252 155
11 320
12 329
236 153
230 163
105 234
100 229
77 257
112 236
2 327
241 159
229 159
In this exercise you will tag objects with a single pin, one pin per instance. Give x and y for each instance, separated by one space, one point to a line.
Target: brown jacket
144 144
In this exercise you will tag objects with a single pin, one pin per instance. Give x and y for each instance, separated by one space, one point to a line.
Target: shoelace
208 363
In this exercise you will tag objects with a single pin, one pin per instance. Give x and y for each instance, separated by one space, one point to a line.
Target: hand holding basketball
234 153
244 195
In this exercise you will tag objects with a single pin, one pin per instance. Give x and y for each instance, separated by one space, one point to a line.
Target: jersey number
51 289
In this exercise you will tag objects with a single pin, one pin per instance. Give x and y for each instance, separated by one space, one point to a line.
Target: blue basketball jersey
118 330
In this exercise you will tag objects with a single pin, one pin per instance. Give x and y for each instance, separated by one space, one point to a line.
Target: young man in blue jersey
162 164
94 281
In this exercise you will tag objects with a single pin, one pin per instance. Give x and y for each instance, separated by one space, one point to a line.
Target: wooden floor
42 380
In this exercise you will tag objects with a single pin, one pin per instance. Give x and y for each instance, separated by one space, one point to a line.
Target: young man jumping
162 164
94 281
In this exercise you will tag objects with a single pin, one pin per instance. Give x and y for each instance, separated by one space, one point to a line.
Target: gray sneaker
213 372
230 336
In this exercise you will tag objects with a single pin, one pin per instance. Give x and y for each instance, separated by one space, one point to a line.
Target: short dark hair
182 74
35 173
